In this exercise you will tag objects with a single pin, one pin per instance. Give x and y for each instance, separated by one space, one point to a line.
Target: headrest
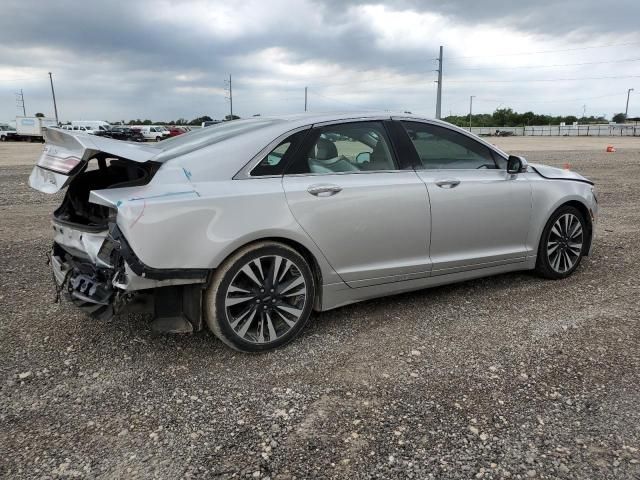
326 149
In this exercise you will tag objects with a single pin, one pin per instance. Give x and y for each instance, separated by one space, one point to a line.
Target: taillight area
58 163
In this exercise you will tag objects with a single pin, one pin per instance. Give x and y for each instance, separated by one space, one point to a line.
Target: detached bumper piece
89 287
100 289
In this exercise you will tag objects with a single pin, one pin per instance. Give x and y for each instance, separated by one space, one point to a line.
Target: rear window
203 137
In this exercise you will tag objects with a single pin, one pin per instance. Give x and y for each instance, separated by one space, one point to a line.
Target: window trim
417 163
315 132
245 172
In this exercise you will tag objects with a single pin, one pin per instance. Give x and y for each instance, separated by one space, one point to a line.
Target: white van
152 132
89 126
77 128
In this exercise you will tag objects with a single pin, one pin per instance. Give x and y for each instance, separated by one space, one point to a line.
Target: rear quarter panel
175 222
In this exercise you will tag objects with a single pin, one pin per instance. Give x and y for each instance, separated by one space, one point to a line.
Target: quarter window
274 162
347 147
441 148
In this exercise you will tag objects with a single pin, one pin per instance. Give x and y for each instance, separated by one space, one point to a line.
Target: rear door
480 214
368 215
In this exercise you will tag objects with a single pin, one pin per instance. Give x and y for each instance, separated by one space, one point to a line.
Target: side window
276 160
442 148
347 147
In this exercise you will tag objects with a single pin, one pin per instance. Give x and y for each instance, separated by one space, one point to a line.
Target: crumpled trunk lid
66 154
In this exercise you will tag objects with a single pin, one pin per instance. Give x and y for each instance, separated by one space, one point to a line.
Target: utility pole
584 111
53 94
439 82
20 102
230 97
626 110
305 99
470 109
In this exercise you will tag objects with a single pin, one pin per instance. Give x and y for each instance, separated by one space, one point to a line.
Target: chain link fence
560 131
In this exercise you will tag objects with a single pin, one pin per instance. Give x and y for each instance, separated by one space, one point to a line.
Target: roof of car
311 118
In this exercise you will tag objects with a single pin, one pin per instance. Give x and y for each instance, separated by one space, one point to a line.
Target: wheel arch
586 214
316 270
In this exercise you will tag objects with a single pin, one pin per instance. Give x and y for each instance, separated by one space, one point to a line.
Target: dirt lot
510 376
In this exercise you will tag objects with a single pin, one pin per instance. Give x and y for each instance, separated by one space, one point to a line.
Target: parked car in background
249 226
6 132
152 132
175 131
90 126
77 128
209 123
122 133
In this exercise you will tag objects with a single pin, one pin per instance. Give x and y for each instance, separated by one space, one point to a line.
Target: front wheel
260 298
562 244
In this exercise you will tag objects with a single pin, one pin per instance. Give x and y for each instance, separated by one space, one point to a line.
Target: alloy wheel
265 299
564 245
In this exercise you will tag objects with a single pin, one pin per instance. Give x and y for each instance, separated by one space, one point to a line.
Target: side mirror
363 157
516 164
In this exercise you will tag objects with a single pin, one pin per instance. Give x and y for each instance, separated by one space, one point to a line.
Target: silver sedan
248 226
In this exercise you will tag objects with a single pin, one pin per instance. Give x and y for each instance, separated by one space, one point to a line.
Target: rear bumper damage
100 273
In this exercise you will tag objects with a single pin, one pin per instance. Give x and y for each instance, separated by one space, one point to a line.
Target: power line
549 66
341 101
546 79
20 102
575 49
508 100
228 88
439 82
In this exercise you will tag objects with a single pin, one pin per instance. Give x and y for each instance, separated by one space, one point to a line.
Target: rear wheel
260 298
562 244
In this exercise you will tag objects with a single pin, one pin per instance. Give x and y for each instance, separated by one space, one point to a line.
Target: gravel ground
505 377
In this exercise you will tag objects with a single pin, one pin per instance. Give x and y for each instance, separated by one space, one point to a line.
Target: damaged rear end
92 262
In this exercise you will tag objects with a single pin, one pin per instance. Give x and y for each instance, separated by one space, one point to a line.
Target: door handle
324 190
448 183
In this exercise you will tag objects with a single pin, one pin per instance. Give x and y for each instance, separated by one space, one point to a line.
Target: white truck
30 128
7 132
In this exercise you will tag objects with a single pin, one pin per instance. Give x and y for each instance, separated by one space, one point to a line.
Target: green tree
199 120
619 118
40 115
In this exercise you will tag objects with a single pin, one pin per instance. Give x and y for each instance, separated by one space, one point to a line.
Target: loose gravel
505 377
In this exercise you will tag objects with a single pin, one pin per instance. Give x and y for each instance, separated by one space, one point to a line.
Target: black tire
568 255
273 322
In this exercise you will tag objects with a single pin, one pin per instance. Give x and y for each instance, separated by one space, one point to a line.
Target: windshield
203 137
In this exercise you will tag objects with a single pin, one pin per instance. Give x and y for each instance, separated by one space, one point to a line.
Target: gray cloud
120 60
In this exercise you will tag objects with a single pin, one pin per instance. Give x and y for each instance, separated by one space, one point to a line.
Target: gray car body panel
384 233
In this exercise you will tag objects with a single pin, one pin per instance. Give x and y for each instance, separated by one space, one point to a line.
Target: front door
479 213
369 217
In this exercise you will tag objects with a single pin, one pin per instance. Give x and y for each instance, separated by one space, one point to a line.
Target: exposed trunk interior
111 173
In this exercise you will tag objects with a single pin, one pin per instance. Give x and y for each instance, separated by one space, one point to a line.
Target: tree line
501 117
506 117
180 121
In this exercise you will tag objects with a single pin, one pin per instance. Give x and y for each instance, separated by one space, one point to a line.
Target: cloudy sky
164 60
